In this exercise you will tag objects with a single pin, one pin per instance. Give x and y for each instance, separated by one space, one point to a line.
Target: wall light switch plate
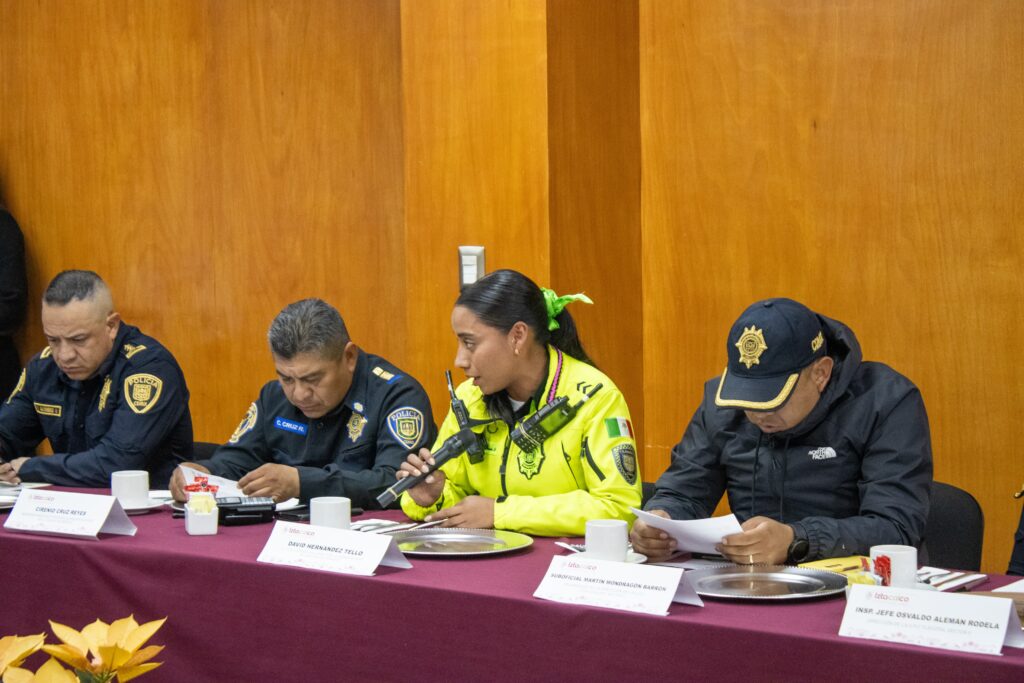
471 265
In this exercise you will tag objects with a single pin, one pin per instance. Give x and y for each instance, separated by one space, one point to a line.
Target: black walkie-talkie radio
547 421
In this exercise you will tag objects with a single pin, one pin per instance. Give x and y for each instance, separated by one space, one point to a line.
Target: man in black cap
821 454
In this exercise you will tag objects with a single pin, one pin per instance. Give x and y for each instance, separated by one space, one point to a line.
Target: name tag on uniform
290 426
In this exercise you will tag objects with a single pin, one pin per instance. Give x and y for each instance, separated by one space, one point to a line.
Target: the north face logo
823 453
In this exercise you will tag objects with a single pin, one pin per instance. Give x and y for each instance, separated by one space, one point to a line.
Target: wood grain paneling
594 143
213 161
476 172
676 159
862 157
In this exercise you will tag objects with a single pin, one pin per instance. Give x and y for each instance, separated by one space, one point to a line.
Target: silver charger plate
765 582
459 542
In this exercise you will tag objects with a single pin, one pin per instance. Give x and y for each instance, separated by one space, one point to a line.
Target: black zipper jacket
854 473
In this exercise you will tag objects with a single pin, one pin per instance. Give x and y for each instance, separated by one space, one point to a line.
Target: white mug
130 487
607 539
332 511
902 563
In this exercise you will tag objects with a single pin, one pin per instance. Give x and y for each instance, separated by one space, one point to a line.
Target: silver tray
765 582
459 542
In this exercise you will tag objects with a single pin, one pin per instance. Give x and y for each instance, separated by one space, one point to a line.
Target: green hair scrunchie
556 304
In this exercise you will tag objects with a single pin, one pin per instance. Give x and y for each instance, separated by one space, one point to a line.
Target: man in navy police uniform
822 454
337 422
107 396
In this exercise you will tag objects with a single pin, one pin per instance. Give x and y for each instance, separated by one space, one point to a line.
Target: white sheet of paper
693 535
60 513
1015 587
8 489
341 551
226 488
966 623
623 586
695 563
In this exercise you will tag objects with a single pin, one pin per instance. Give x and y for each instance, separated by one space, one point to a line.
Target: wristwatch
798 551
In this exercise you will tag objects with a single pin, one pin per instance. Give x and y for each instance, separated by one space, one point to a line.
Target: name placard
341 551
59 513
966 623
615 585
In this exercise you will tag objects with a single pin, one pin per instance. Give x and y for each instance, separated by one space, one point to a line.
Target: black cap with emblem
768 346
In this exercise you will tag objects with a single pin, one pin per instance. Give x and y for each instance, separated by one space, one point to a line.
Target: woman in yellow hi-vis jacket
520 350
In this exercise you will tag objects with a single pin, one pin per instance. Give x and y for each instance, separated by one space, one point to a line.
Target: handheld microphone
455 445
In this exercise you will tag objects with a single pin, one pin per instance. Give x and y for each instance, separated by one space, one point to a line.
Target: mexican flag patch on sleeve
619 426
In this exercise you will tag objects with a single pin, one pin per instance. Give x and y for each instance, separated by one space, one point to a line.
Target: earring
516 350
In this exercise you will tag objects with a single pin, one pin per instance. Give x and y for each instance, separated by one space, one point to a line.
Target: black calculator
237 510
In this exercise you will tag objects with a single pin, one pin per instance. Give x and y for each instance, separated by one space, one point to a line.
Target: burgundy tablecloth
232 619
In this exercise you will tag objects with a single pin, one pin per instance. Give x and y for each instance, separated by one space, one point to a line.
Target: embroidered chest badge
406 425
530 463
751 345
356 424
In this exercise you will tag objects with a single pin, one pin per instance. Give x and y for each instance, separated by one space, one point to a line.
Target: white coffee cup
130 487
902 564
332 511
607 539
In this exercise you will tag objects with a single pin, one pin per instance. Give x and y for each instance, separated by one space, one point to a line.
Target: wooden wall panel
476 172
594 143
216 160
862 157
213 161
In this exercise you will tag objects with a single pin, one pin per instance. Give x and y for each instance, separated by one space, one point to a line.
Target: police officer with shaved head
106 396
337 422
821 453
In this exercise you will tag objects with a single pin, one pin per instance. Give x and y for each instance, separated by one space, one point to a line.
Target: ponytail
505 297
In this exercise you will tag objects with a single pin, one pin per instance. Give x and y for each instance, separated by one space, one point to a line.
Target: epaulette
130 350
388 377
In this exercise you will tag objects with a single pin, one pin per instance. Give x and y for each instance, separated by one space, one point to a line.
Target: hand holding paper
696 536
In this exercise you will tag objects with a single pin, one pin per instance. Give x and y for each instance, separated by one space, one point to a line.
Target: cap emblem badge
751 346
817 341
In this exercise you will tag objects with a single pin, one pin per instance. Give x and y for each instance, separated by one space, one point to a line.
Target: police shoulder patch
625 461
142 391
17 387
406 425
247 423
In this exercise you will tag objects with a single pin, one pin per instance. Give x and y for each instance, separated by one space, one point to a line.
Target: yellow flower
114 648
14 649
51 672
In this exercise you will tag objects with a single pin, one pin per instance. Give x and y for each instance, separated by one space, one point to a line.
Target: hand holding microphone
421 469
